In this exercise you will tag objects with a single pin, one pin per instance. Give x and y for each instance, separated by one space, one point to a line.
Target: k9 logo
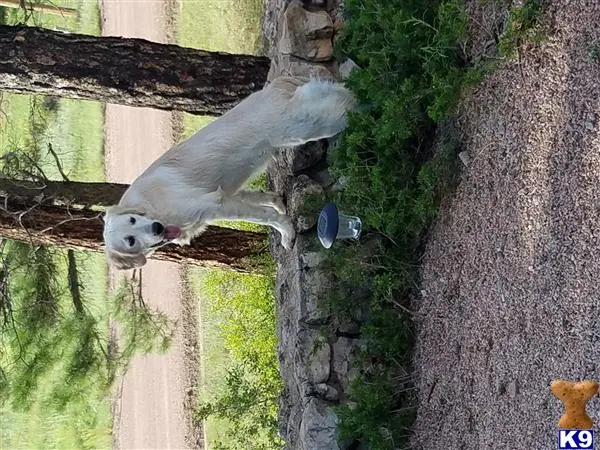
575 439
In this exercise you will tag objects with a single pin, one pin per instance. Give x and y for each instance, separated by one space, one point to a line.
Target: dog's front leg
270 199
233 208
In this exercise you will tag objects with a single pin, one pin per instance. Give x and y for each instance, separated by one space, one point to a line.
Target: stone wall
315 364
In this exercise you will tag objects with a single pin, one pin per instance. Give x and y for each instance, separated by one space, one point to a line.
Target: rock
311 260
306 34
465 158
302 188
305 156
326 392
313 287
349 327
301 44
293 425
512 389
308 156
346 68
343 351
321 175
318 361
318 428
286 65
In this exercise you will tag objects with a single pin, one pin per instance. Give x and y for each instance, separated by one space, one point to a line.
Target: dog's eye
130 240
132 220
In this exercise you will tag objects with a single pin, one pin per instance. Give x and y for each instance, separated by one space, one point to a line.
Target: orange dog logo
575 424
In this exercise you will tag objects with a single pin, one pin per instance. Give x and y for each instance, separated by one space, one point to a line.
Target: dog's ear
117 210
124 261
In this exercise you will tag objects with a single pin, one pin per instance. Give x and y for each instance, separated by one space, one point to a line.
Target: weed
594 52
522 26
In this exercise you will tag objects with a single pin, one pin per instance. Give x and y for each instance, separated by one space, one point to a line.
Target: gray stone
288 65
302 188
346 68
311 260
314 286
318 428
326 392
318 361
512 389
305 34
343 352
307 155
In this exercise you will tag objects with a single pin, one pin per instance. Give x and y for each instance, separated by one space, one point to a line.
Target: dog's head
130 236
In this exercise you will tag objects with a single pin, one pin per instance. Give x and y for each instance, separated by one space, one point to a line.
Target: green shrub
522 26
410 79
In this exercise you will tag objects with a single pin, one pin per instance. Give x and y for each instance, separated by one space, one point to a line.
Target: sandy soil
151 411
510 294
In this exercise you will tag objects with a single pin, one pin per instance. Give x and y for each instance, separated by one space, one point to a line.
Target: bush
410 78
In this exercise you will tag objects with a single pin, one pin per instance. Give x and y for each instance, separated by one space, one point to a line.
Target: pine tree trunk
62 193
126 71
46 216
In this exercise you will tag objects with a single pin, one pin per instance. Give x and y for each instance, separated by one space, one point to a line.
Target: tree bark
133 72
62 192
74 285
27 216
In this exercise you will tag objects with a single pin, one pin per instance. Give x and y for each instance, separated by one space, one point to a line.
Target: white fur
200 180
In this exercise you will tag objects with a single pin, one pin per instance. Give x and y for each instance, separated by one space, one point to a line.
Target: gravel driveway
511 276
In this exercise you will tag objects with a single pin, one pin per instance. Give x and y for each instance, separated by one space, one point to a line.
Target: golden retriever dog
202 179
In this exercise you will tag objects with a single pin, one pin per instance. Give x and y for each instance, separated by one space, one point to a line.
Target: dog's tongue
172 232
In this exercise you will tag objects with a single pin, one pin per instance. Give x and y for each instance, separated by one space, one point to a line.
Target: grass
239 381
85 422
227 26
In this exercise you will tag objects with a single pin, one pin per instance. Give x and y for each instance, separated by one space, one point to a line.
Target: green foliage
410 79
59 360
51 357
250 406
522 26
143 331
594 52
242 308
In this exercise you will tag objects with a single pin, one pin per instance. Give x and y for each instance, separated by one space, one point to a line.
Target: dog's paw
287 238
275 201
278 205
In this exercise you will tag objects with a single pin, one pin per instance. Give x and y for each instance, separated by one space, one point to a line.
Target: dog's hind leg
233 208
270 199
317 110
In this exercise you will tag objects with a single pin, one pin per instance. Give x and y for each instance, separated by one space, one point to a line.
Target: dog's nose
158 228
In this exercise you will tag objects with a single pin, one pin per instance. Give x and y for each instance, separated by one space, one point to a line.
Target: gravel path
511 277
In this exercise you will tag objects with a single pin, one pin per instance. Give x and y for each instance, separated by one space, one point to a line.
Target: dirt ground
150 399
511 287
